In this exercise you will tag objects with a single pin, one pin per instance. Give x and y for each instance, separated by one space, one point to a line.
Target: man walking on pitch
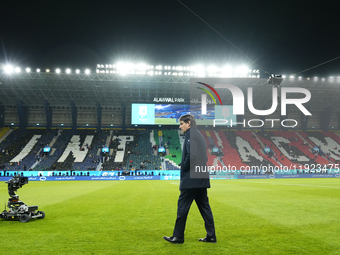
194 182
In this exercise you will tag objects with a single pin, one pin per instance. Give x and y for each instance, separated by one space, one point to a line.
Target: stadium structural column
48 113
325 118
304 120
22 114
239 119
74 115
99 116
123 115
2 115
283 117
263 117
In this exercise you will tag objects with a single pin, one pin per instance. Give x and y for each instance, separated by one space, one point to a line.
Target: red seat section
281 158
248 136
231 156
297 142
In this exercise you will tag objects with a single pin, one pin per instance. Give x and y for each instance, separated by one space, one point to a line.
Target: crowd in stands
137 153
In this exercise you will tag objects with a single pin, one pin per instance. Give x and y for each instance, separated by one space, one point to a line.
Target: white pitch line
296 184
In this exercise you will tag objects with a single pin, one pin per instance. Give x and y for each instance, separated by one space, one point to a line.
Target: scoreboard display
169 114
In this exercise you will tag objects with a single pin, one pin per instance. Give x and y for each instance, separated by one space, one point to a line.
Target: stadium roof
110 90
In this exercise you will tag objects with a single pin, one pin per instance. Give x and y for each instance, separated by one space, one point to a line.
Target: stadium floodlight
212 69
17 70
227 71
77 71
241 70
68 70
57 70
28 70
38 70
198 68
124 67
8 69
142 67
87 71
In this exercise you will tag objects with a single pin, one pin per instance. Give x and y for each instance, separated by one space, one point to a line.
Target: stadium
92 156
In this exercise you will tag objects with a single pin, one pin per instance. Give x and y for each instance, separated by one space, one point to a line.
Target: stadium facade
103 100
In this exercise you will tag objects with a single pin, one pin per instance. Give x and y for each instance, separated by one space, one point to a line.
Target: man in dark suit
194 182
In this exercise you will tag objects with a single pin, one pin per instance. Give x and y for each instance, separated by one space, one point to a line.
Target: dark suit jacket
194 154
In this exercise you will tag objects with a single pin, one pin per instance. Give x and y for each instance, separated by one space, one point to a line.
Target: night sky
283 37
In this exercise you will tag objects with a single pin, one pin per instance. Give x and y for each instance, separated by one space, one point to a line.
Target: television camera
16 208
275 80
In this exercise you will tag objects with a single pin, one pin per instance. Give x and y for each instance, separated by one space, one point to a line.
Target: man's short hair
185 118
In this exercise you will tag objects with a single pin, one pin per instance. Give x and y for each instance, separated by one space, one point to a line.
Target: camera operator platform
16 208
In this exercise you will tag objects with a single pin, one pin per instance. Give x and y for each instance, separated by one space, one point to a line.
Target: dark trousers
184 202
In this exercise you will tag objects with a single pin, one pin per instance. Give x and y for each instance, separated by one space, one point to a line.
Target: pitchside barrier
145 175
93 175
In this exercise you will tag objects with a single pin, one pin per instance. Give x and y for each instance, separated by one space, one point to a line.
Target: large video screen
169 114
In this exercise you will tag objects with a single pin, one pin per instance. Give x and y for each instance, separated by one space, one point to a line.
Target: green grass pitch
295 216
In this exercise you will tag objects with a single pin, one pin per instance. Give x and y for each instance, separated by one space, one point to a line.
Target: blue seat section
91 160
141 151
12 146
46 138
59 146
170 166
211 141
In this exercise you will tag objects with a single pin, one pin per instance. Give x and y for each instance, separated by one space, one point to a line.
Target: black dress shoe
173 239
208 239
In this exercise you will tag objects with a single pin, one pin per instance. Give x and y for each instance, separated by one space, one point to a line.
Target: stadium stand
4 132
22 149
173 146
